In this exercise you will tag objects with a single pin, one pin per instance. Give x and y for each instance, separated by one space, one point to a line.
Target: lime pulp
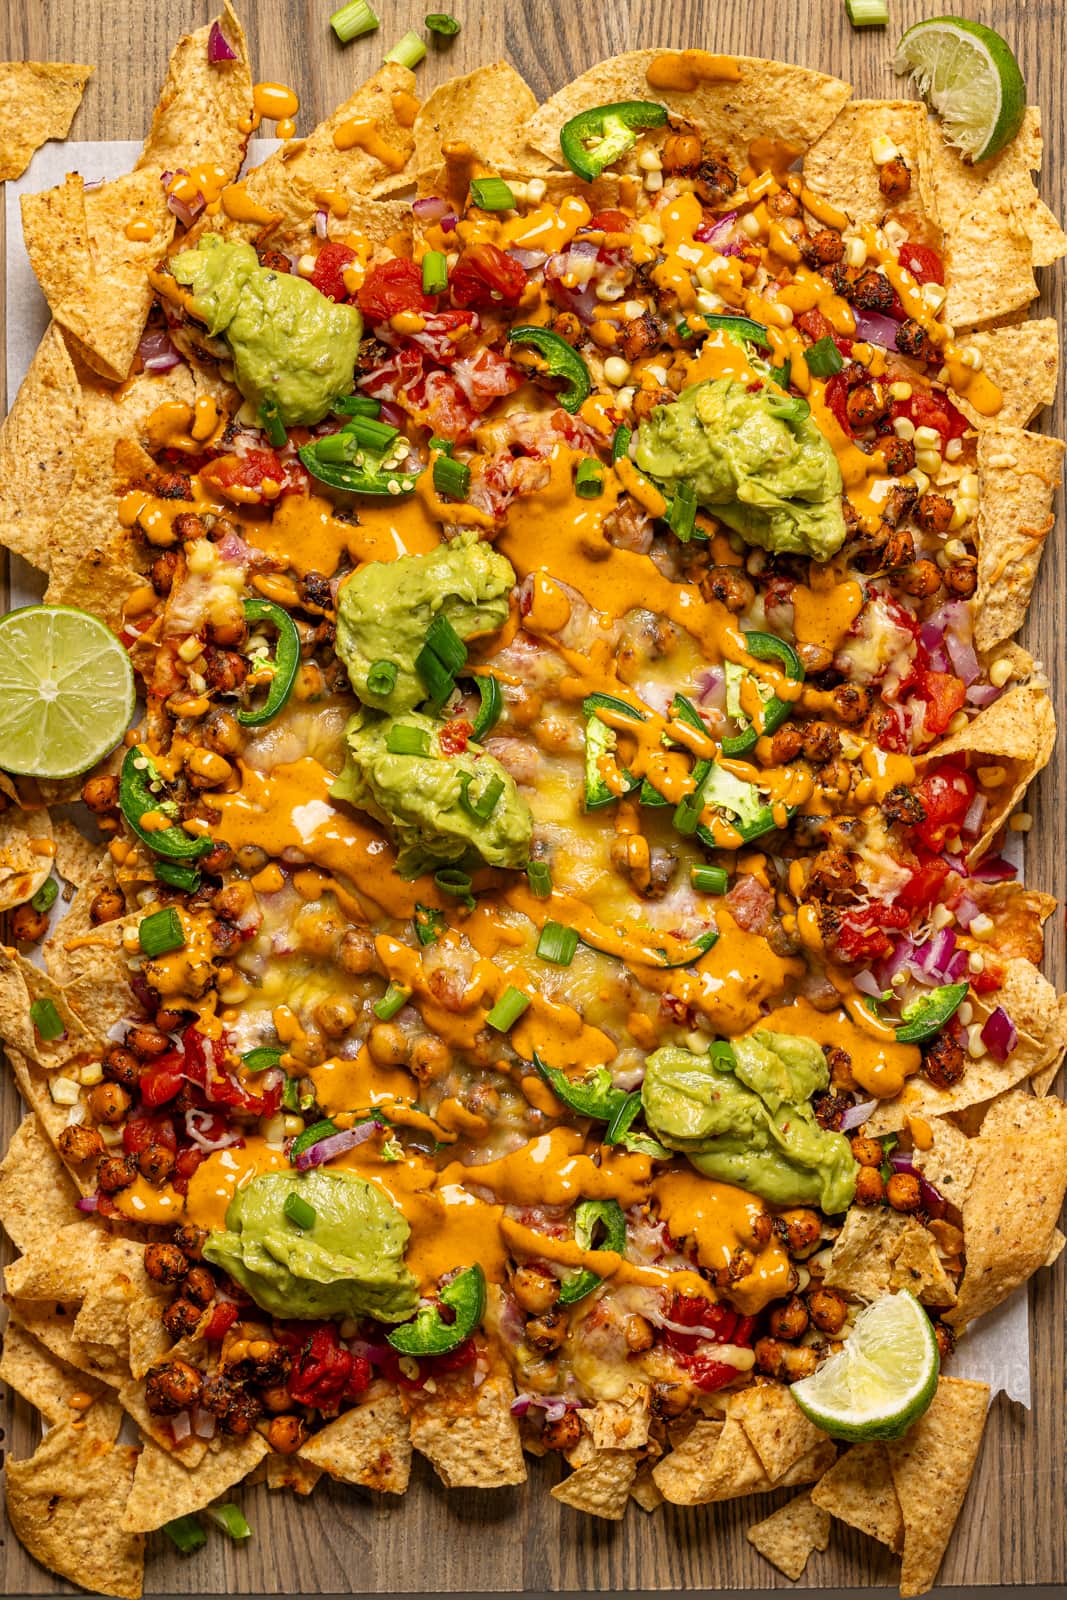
882 1380
969 76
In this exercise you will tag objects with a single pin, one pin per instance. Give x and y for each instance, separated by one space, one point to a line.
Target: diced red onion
335 1145
554 1405
934 956
87 1202
964 661
855 1116
219 47
972 822
873 328
867 983
378 1354
529 260
895 962
204 1422
448 224
181 1427
715 232
321 224
965 910
999 1034
983 694
994 870
430 208
186 212
156 351
710 681
930 1195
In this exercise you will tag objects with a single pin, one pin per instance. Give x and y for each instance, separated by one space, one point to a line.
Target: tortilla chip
775 1426
202 104
839 166
789 1535
37 450
1023 362
1018 474
21 983
369 1445
78 860
879 1252
38 100
291 1472
29 1368
1012 1206
600 1488
164 1489
931 1468
643 1489
77 1260
485 108
36 1194
683 1476
1055 1249
65 1504
147 1339
717 1462
858 1489
468 1435
772 100
949 1163
27 850
51 1325
622 1424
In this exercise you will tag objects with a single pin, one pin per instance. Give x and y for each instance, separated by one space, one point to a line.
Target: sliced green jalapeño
561 361
137 799
429 1334
923 1018
591 1217
600 135
286 660
767 647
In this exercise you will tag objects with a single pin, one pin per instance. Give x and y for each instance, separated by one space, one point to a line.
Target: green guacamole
290 344
349 1264
386 607
752 1126
430 803
756 461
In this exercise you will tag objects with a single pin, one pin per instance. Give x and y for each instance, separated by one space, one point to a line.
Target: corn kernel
190 648
975 1047
900 391
955 549
959 722
972 358
928 461
976 961
616 371
92 1073
782 314
954 449
1000 671
306 266
112 1137
883 150
941 916
965 1015
920 480
855 252
927 438
903 427
648 159
65 1092
981 926
750 224
1021 822
935 295
991 777
969 485
959 517
536 189
653 181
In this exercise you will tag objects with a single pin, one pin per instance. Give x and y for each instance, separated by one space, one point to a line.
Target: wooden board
1013 1529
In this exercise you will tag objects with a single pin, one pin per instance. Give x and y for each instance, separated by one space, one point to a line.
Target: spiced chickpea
101 794
156 1163
286 1434
536 1291
828 1309
671 1399
962 578
147 1042
730 586
388 1044
355 953
28 925
165 1263
430 1059
562 1434
801 1231
106 906
182 1318
894 179
108 1103
277 1397
547 1332
200 1286
868 1152
222 733
870 1188
682 152
922 579
789 1321
78 1143
785 1361
639 1334
826 247
190 1239
335 1015
170 1387
115 1173
933 512
164 570
851 703
946 1340
944 1062
904 1193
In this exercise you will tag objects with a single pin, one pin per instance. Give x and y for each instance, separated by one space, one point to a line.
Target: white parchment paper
997 1349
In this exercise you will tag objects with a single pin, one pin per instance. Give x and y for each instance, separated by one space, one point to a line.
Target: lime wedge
66 691
884 1378
968 74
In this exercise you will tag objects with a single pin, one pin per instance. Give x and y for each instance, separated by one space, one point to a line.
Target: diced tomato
452 1361
944 694
945 795
187 1161
161 1080
837 400
609 222
861 934
924 264
815 325
484 277
932 411
923 886
750 903
359 1378
328 276
254 476
204 1067
990 978
455 736
141 1131
710 1375
323 1370
392 286
223 1317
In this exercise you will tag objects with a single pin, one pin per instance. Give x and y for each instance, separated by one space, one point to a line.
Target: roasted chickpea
388 1044
639 1334
828 1310
535 1290
165 1263
286 1434
101 794
115 1173
921 580
933 512
147 1042
801 1230
868 1152
156 1163
903 1192
164 570
944 1062
171 1387
682 152
28 925
277 1397
564 1433
430 1058
870 1189
789 1321
78 1143
356 952
190 1239
335 1016
222 733
962 578
786 1361
946 1339
200 1286
105 906
894 180
108 1103
182 1318
671 1399
547 1332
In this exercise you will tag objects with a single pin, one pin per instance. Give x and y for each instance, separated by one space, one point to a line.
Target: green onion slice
429 924
446 644
589 480
273 426
357 405
452 478
867 13
47 1020
492 704
434 272
298 1210
452 880
161 933
823 358
229 1519
404 740
557 944
620 444
508 1009
381 679
185 1533
539 877
408 51
492 194
45 898
709 880
441 23
176 875
393 1000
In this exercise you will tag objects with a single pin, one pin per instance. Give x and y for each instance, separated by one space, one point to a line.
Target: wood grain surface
1013 1529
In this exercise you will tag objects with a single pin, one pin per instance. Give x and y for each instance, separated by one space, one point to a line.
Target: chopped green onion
451 880
262 1057
339 448
161 933
688 811
508 1009
451 477
539 876
404 740
298 1211
273 426
483 807
47 1020
441 23
557 944
711 880
381 679
185 1532
446 644
620 444
429 924
446 446
437 680
45 898
682 512
823 358
357 405
492 194
492 704
230 1520
434 272
370 434
178 876
865 13
589 480
408 51
393 1000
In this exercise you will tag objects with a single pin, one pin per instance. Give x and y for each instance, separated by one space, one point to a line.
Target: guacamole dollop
349 1264
386 607
752 1125
756 461
432 804
290 344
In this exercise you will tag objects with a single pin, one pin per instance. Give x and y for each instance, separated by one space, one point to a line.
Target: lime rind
882 1380
970 77
67 691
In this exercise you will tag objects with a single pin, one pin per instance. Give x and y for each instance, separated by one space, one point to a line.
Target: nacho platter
664 961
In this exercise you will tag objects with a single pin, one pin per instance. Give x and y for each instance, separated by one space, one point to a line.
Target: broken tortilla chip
27 849
601 1487
643 1489
164 1489
65 1504
858 1489
780 105
37 1198
879 1252
621 1424
716 1461
1024 363
775 1426
39 1376
1013 1203
291 1472
485 109
78 860
369 1445
469 1436
789 1535
1018 474
202 104
38 100
37 446
931 1468
840 169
